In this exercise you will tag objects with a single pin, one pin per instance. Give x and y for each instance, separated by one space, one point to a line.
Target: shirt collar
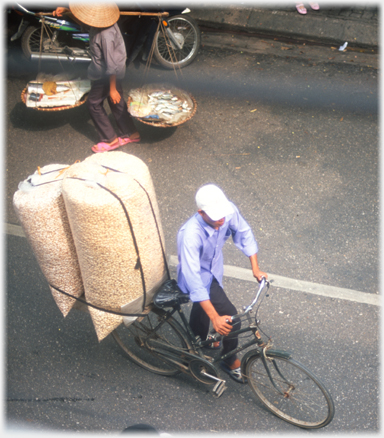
207 228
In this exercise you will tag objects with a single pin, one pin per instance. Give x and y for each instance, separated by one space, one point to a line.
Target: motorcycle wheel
30 42
187 33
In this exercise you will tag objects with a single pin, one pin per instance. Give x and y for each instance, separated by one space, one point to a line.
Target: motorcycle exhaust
59 57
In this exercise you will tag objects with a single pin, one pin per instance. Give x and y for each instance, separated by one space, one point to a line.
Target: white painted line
301 286
277 280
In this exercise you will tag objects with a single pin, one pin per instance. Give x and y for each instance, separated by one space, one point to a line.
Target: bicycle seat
169 295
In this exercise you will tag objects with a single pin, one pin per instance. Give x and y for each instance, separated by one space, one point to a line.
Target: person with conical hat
106 71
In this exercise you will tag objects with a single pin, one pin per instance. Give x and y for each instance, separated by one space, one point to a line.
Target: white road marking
276 280
301 286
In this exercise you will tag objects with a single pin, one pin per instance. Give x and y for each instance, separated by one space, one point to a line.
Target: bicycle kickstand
219 387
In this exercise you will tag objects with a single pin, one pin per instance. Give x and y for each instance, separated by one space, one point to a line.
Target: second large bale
39 205
117 237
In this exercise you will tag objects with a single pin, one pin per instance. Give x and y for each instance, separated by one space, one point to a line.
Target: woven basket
54 108
169 125
162 124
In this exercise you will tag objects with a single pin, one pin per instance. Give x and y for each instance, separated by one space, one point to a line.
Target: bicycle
159 343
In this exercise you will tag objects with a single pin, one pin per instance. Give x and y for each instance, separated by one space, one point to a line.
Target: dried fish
164 104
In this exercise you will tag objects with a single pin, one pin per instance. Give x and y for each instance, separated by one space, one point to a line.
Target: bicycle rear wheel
290 391
132 340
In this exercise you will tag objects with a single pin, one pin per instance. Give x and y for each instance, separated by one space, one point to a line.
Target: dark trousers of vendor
98 93
199 320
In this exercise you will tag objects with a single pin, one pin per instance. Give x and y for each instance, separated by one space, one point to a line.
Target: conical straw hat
96 15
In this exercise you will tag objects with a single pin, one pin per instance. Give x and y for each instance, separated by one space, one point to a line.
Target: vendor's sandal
314 6
104 147
301 9
235 374
127 140
215 345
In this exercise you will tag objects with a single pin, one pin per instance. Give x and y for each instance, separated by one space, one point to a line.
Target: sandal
214 345
314 6
126 140
235 374
104 147
301 8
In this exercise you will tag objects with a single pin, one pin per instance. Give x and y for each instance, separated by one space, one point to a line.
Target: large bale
40 207
134 167
116 235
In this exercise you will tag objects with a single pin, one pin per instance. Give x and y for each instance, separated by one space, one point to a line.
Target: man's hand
60 11
259 275
115 96
221 325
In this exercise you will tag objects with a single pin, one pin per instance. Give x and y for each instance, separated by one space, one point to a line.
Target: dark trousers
199 320
98 93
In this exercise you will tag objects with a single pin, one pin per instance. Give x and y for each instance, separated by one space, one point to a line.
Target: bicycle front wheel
132 340
290 391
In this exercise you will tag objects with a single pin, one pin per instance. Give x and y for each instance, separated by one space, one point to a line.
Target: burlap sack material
110 252
40 207
138 170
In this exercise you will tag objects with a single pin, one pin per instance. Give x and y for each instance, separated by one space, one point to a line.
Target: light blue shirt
199 248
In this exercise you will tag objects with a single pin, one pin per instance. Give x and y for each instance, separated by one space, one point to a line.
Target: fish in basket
161 105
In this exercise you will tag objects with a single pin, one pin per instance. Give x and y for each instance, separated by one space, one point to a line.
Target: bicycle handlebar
263 283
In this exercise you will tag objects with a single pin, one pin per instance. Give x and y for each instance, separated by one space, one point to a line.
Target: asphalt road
294 143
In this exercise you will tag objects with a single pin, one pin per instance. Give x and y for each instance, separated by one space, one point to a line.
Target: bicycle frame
197 345
181 358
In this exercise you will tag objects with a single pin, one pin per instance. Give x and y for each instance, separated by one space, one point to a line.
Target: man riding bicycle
200 268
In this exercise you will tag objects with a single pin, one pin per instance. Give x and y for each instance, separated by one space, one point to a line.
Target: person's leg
223 306
98 93
123 118
199 321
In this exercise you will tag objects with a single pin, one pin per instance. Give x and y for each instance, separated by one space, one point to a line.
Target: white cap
213 202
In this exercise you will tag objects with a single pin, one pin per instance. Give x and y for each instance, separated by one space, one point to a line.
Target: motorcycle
172 38
173 41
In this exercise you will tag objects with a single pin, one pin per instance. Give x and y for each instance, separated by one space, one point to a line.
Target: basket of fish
55 96
161 105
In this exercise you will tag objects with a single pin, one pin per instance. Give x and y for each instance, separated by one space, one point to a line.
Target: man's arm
60 11
255 268
244 239
113 93
219 322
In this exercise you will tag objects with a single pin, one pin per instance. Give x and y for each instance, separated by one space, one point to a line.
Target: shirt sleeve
189 257
242 234
113 50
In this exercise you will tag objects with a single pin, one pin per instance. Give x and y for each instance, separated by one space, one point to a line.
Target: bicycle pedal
219 388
